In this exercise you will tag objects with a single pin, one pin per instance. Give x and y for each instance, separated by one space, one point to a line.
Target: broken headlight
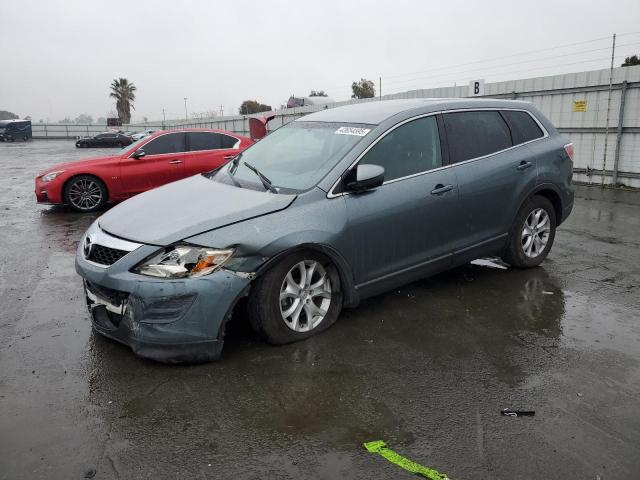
184 261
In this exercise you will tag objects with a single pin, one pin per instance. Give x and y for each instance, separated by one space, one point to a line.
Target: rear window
475 134
523 127
227 142
203 141
210 141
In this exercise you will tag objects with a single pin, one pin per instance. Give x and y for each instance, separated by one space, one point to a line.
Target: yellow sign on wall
579 105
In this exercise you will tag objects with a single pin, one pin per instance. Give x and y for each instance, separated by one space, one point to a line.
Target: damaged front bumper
171 321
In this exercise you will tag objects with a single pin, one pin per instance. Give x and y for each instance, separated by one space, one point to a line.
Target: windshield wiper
234 164
265 181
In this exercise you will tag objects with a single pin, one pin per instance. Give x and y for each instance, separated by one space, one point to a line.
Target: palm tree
123 92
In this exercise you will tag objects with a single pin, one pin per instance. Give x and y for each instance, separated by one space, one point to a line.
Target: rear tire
85 193
297 298
532 233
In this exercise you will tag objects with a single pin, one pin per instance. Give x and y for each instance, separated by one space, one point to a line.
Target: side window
475 134
170 143
203 141
227 141
523 127
411 148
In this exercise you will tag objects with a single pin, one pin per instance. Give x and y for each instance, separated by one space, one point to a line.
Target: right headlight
184 261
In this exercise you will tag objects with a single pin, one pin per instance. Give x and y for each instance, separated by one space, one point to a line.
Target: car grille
105 255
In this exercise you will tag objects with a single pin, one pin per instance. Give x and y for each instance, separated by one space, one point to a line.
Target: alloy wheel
305 296
85 194
535 232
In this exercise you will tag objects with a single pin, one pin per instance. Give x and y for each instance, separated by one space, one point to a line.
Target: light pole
164 120
185 109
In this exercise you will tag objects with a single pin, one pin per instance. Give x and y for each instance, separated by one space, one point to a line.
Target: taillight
569 149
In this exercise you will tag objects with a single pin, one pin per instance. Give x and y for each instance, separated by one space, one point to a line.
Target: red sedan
160 158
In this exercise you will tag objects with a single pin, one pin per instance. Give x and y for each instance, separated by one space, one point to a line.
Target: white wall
549 94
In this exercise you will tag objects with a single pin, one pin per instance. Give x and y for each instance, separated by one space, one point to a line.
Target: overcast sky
59 57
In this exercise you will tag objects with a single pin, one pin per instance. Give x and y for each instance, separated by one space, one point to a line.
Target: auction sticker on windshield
360 132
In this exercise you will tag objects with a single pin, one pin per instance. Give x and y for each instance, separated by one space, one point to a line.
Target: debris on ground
491 263
507 412
380 447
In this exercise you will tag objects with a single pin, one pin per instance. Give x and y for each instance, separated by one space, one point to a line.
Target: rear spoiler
258 126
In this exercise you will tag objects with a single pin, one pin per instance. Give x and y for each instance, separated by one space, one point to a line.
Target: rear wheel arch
554 197
525 229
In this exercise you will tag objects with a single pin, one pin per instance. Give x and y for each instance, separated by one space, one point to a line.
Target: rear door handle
229 157
173 162
440 189
524 165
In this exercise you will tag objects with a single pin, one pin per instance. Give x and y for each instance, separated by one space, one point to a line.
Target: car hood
186 208
80 164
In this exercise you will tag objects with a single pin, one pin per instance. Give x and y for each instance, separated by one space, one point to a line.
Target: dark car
12 130
105 140
332 208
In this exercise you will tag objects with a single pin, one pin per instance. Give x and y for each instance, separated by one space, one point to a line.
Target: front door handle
174 162
440 189
524 165
229 157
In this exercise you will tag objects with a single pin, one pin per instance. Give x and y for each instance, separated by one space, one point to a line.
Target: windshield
298 155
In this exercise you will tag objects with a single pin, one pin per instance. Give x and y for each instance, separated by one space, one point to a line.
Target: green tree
251 106
363 89
124 93
630 61
5 115
318 93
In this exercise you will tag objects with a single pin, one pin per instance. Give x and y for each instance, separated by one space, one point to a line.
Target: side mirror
364 178
138 154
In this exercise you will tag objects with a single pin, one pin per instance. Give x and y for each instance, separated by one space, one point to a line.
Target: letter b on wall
476 88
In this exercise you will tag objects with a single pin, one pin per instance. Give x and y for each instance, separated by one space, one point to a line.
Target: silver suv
334 207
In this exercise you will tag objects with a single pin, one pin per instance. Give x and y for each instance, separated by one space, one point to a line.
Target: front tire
532 233
85 193
299 297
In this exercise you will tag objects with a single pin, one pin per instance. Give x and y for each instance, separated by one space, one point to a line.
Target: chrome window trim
545 134
235 145
161 154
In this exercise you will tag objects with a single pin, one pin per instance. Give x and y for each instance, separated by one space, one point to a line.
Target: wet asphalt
426 368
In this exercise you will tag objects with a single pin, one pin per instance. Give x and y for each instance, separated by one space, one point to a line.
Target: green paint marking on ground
381 449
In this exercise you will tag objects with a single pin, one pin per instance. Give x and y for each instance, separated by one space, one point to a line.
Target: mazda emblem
87 247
